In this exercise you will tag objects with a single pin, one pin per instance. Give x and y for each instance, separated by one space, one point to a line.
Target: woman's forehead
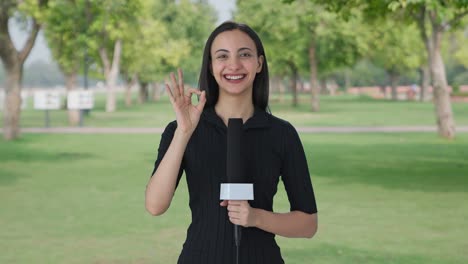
232 40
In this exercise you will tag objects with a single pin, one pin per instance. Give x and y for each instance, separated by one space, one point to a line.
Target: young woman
233 84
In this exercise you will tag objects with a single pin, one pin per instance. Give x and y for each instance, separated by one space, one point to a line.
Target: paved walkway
321 129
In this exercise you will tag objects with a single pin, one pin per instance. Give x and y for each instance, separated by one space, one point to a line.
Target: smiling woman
233 84
235 64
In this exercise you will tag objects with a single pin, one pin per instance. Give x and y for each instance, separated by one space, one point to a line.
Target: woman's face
234 62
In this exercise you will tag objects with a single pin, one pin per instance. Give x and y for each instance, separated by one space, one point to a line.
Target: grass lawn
382 198
344 110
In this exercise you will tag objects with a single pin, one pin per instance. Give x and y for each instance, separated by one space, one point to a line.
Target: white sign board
80 100
46 100
24 100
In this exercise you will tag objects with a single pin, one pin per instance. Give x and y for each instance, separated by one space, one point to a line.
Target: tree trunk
12 104
443 105
144 93
128 89
393 76
13 61
424 82
314 86
70 84
293 83
111 71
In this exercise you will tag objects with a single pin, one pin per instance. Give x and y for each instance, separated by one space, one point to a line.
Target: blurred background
378 91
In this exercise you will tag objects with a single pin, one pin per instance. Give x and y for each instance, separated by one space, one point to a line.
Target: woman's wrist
183 136
258 216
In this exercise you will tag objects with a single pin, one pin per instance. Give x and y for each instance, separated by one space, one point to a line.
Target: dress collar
260 118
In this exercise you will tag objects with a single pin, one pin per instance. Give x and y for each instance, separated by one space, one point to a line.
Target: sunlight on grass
382 198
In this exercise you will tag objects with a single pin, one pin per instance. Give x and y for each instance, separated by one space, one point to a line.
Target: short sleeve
166 139
295 173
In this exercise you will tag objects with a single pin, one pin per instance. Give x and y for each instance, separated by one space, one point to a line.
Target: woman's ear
260 63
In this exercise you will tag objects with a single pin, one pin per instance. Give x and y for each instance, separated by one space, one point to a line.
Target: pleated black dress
272 151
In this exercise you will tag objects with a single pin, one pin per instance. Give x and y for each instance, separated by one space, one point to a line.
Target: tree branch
117 53
105 60
7 48
454 20
23 54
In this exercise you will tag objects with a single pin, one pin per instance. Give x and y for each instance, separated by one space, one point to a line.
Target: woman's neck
234 108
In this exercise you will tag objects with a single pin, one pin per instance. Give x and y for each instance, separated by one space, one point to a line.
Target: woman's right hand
187 114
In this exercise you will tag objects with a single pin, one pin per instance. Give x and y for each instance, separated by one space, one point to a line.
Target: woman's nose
234 63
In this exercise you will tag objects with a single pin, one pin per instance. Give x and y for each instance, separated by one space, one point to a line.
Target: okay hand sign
187 114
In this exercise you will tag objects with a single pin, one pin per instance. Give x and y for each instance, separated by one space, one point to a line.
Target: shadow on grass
409 166
19 153
8 177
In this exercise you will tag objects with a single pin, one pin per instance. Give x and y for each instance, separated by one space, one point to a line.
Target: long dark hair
207 82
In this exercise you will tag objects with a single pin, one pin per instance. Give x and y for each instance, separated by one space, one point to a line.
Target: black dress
271 148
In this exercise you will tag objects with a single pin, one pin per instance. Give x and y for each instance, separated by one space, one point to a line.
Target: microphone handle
237 234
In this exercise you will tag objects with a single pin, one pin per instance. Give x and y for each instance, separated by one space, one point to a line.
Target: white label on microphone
236 191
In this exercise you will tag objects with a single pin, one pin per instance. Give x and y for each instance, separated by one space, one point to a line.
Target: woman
233 84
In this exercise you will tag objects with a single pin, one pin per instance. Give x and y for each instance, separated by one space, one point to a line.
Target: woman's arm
161 186
292 224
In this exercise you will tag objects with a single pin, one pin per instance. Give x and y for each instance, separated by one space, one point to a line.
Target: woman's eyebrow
239 50
222 50
244 48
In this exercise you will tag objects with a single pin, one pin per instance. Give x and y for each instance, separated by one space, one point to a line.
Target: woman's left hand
240 213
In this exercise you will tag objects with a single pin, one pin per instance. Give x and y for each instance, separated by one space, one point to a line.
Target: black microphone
236 187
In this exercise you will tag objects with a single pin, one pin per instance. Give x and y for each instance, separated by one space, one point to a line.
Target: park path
157 130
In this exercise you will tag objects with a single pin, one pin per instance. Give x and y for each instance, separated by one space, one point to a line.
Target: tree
65 31
192 22
434 18
277 26
110 21
303 35
395 48
13 60
171 34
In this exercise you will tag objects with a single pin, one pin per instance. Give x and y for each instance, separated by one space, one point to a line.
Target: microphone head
234 163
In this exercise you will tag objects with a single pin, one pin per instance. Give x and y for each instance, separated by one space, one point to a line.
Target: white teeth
234 77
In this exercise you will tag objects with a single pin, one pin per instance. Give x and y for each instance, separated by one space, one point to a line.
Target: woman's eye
221 56
246 55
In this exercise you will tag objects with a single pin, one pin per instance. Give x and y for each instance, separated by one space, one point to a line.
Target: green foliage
190 22
66 33
396 47
168 35
460 39
289 29
365 73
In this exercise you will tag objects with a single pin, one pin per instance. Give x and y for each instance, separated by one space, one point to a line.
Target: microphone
236 187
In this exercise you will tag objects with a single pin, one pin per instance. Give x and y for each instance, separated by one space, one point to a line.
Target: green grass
344 110
382 198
